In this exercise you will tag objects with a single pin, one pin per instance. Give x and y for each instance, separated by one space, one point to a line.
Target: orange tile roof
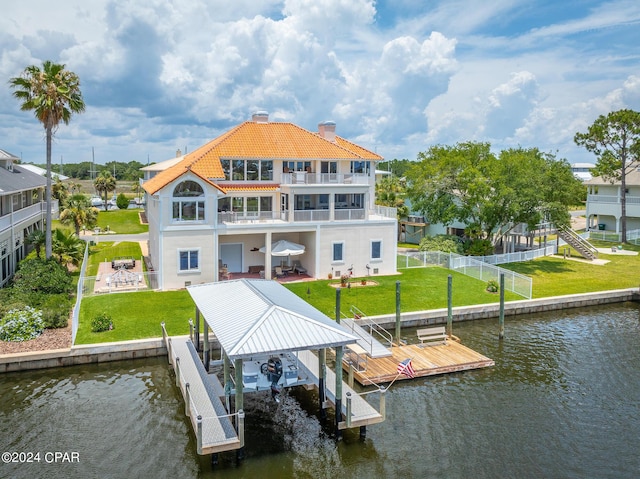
250 187
272 140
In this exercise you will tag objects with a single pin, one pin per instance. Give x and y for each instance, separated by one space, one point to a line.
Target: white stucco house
263 181
22 211
604 210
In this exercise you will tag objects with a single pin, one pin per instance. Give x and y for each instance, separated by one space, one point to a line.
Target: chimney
178 153
327 130
260 117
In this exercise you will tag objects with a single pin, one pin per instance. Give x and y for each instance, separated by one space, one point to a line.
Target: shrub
122 201
42 276
21 324
479 247
55 311
493 286
444 243
102 322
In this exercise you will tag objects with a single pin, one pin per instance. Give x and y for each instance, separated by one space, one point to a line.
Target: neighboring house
582 171
604 210
21 212
213 209
43 172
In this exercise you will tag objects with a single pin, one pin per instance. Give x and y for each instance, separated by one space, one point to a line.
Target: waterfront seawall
144 348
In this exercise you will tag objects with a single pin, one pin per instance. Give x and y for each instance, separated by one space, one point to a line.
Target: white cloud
164 74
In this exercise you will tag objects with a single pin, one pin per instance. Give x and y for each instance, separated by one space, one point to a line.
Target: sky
397 76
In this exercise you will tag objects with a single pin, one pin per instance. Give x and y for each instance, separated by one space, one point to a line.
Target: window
266 170
376 250
338 252
185 205
362 167
188 260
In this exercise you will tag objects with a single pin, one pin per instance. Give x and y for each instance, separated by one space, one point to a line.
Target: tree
79 213
137 189
37 238
390 191
615 140
59 191
491 195
105 184
68 247
53 94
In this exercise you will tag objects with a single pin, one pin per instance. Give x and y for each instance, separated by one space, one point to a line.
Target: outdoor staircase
364 328
578 243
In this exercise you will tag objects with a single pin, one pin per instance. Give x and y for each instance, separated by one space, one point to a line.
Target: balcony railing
631 200
300 216
304 178
311 215
20 215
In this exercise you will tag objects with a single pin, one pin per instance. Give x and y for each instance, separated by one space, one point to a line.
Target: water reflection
562 401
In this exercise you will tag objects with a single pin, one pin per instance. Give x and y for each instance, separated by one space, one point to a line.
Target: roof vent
260 117
327 130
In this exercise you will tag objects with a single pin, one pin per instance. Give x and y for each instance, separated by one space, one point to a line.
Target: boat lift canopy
255 317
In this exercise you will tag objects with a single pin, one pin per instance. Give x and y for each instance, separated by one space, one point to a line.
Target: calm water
562 401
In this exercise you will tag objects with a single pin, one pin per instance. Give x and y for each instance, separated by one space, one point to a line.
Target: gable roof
20 179
261 317
259 140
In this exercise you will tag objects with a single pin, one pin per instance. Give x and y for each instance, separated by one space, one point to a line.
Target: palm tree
53 94
137 189
79 213
37 238
105 184
68 247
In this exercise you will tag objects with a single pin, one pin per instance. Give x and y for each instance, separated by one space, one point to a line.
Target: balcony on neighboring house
23 214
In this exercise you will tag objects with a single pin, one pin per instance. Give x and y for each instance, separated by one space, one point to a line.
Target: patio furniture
280 273
298 268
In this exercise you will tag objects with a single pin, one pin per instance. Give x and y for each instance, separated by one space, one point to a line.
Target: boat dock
357 411
210 420
427 360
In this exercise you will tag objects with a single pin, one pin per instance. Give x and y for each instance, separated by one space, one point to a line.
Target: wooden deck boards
427 360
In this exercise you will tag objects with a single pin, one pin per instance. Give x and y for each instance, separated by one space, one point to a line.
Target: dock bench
432 335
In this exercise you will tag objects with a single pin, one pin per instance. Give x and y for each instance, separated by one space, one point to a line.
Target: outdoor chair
279 272
298 268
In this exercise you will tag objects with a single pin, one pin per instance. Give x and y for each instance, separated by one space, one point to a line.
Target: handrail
382 332
569 232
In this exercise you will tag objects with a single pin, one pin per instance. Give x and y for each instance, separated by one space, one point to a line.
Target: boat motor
274 373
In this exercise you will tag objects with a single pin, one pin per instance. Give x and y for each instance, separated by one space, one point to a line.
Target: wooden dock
427 360
211 423
362 413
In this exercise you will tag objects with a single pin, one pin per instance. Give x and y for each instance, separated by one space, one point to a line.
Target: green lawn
121 221
107 250
555 276
420 289
136 315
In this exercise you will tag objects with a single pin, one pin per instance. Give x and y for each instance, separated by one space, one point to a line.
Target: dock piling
449 306
398 321
205 350
240 431
501 319
348 410
197 332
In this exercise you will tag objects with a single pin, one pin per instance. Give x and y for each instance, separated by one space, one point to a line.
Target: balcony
304 178
21 215
306 216
613 199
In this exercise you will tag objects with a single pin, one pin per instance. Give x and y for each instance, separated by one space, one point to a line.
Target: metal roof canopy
257 317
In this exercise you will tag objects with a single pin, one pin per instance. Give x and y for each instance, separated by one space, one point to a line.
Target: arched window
188 202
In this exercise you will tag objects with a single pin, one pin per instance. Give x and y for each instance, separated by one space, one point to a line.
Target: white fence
76 308
477 268
633 236
96 285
